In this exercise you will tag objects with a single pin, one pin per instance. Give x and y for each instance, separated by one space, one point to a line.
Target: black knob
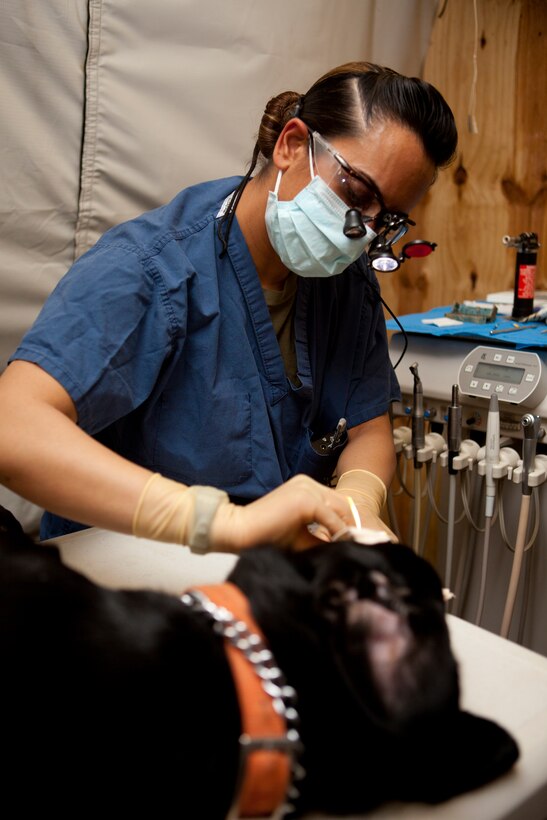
354 228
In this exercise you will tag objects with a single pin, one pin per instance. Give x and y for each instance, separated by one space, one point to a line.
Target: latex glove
169 511
203 518
369 493
282 517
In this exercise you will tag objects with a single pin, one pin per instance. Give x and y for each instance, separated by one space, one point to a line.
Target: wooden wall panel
497 185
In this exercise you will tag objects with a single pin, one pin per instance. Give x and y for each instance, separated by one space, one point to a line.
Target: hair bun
279 110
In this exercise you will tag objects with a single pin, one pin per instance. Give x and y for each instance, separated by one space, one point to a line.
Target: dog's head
360 632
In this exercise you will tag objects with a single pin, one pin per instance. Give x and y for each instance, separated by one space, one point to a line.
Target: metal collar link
273 682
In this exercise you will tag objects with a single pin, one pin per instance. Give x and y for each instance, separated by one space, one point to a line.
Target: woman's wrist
170 511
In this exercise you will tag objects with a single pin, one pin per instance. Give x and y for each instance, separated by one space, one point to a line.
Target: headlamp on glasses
380 252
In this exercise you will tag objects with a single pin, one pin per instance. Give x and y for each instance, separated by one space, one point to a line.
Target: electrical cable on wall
471 118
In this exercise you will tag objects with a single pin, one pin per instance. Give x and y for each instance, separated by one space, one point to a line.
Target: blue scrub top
169 354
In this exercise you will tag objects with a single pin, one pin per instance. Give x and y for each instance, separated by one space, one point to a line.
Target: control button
497 357
499 388
469 368
529 377
510 360
473 383
513 391
486 386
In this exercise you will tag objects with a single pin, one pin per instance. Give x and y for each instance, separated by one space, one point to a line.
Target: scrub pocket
208 441
319 466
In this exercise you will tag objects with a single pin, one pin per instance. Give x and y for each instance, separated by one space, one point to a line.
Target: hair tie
299 106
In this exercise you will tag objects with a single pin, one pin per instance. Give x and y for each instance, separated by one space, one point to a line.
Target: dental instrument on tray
513 328
539 315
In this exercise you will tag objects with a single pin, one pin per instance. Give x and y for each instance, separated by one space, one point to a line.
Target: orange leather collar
266 772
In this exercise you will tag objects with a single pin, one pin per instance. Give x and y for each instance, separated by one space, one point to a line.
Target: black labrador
123 701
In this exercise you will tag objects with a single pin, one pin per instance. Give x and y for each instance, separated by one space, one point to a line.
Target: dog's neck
269 743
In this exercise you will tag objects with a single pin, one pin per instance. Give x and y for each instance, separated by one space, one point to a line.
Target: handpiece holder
433 449
465 458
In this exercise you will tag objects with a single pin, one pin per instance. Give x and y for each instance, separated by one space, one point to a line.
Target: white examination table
500 680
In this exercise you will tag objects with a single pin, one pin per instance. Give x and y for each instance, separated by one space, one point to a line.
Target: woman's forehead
394 157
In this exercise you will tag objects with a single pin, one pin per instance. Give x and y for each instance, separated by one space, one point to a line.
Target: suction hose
530 427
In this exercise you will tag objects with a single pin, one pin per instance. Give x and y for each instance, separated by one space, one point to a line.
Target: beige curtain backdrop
109 107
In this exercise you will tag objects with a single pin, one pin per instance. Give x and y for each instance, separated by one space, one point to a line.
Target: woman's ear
291 144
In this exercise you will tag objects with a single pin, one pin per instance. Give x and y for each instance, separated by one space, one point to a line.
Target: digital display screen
499 373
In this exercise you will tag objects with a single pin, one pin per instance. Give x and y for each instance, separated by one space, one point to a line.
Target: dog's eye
336 598
379 579
389 592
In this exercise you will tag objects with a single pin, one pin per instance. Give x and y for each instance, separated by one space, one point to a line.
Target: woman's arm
370 447
365 470
46 458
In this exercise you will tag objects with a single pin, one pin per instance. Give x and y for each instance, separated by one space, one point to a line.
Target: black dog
123 701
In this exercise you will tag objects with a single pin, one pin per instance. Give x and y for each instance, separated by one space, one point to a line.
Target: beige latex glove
169 511
369 493
203 519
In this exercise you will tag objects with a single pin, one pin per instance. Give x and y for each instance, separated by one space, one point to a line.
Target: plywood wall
497 185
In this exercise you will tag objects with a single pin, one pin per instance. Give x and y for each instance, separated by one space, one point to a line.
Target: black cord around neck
376 291
225 222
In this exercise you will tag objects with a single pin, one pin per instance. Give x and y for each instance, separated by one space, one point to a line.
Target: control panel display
499 373
516 376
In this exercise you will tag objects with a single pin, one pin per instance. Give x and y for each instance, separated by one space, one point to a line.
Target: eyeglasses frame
387 218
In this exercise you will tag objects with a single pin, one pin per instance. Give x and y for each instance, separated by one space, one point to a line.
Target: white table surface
500 680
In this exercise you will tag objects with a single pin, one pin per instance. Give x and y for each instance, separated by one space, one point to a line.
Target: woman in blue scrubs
184 380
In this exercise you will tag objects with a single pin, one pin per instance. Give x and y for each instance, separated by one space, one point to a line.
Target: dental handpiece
418 429
492 455
454 429
530 430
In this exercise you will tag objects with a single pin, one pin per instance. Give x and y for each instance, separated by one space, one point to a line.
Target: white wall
108 107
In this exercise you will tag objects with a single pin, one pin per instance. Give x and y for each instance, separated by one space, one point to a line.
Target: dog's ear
11 531
489 751
458 754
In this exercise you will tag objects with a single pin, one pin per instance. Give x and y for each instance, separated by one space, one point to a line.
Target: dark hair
347 100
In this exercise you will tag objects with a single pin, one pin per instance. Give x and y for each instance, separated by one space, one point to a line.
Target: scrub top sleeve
107 329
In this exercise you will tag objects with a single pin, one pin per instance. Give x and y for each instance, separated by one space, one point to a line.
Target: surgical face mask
307 232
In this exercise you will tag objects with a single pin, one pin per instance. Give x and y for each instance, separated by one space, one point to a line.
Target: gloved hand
204 519
369 493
